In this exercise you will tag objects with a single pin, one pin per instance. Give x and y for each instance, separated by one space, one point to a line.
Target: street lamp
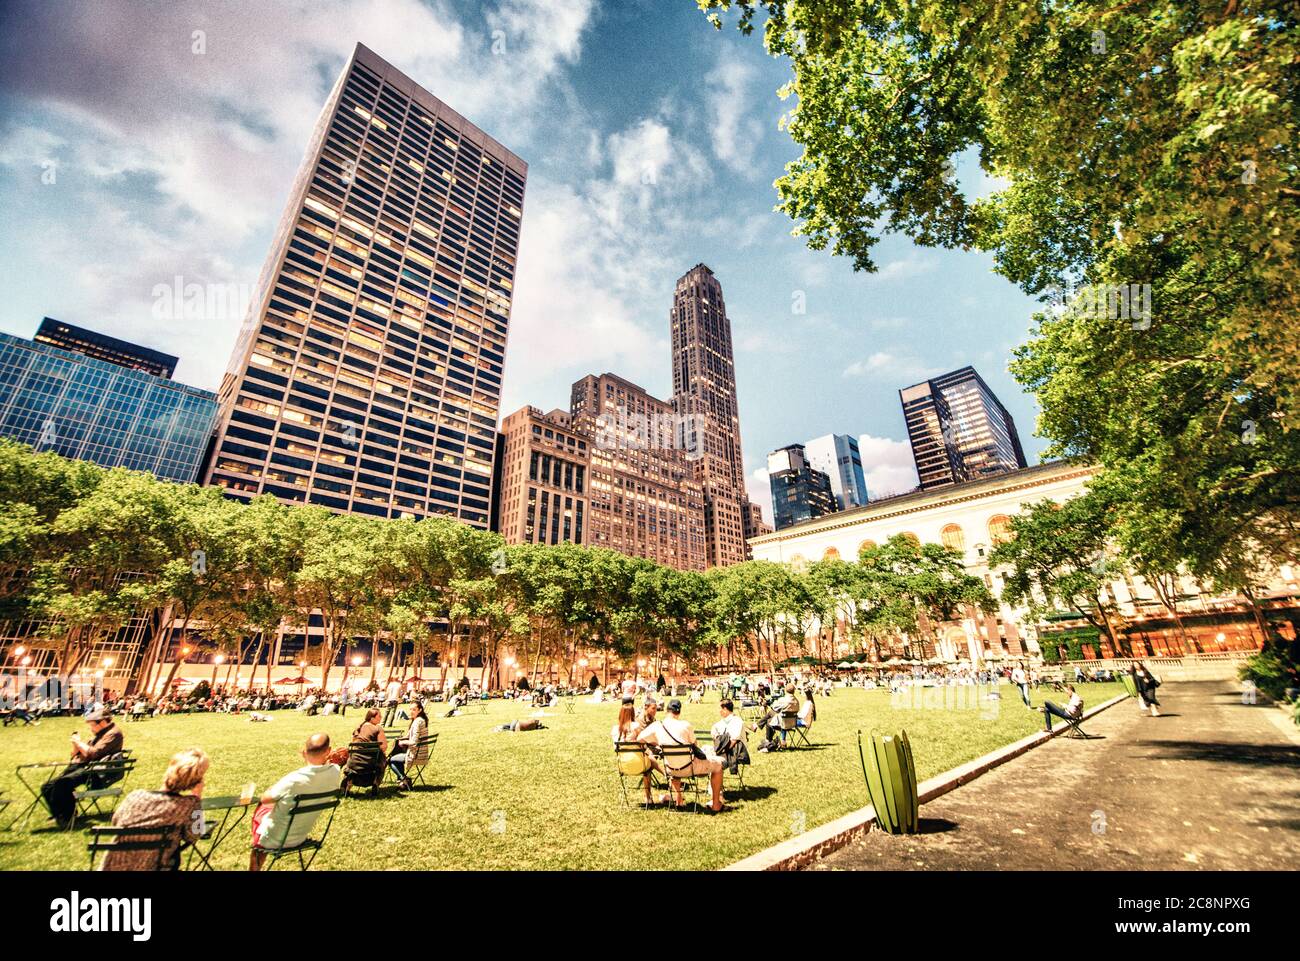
218 660
302 667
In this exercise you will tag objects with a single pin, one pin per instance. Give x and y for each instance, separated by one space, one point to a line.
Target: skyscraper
837 456
544 479
704 397
92 397
368 376
644 497
959 430
800 492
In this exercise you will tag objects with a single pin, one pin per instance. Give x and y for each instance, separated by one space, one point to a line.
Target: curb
796 853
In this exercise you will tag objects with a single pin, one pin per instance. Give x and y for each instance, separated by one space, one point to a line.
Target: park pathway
1212 784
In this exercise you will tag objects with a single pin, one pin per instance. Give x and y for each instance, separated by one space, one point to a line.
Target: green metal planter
891 780
1129 685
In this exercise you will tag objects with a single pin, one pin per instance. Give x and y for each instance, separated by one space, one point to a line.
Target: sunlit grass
538 800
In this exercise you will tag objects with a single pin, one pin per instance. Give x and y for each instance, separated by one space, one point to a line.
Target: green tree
1058 558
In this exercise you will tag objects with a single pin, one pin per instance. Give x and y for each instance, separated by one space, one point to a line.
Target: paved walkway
1211 784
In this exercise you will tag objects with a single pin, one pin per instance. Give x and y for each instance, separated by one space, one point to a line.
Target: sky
146 146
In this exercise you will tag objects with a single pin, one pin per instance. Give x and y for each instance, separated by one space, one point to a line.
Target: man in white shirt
1072 711
672 730
272 828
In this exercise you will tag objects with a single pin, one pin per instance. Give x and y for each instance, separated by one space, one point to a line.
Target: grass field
538 800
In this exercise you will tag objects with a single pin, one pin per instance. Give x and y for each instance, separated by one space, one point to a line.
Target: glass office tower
959 430
368 376
111 412
800 492
837 456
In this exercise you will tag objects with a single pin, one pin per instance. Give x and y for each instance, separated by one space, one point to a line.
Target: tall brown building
368 375
644 499
544 478
755 526
704 395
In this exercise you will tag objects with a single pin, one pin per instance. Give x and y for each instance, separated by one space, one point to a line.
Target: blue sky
130 157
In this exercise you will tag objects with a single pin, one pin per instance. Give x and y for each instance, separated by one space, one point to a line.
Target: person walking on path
1146 684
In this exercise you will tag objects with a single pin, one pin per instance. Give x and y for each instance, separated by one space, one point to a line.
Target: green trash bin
1129 685
891 780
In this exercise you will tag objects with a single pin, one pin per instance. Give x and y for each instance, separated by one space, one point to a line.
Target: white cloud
899 368
185 159
887 465
910 266
759 489
735 133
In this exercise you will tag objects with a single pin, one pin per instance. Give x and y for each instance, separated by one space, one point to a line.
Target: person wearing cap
106 741
672 730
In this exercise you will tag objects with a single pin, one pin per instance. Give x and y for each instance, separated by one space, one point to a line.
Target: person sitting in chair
672 730
105 742
406 747
365 768
729 737
785 705
178 805
271 828
1071 713
626 729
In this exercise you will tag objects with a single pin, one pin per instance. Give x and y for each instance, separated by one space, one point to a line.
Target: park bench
158 839
304 806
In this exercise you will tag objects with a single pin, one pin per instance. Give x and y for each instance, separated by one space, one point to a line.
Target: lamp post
18 651
582 666
216 661
640 666
302 666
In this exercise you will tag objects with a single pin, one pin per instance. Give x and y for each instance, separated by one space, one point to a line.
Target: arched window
999 528
831 554
953 538
912 537
866 545
798 562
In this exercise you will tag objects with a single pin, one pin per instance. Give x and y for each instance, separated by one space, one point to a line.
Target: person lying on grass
527 724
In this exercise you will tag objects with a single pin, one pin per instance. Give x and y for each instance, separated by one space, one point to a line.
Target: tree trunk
180 658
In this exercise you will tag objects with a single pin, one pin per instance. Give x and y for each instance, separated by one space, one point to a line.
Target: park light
108 662
19 651
184 651
27 660
220 659
582 662
302 663
1221 637
356 661
380 663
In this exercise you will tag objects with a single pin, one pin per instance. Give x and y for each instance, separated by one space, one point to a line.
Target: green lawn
538 800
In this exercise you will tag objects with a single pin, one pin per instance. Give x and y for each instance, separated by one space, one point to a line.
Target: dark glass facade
94 410
959 430
799 492
368 378
56 333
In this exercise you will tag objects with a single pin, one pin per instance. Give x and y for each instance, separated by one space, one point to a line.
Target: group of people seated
784 710
365 768
727 749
